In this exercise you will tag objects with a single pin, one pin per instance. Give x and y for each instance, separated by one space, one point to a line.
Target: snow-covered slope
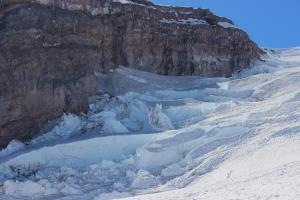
171 138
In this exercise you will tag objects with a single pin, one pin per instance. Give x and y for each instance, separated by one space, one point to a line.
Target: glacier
152 137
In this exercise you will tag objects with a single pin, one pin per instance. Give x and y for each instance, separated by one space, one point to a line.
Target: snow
144 180
69 190
13 146
226 25
172 171
272 172
193 22
209 138
80 153
131 2
27 188
123 1
189 21
113 195
113 126
69 125
160 120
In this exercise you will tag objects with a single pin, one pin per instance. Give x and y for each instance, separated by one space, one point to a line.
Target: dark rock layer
50 50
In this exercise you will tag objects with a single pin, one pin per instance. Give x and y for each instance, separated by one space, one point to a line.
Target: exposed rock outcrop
50 50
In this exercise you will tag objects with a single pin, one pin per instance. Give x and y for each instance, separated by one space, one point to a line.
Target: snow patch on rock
189 21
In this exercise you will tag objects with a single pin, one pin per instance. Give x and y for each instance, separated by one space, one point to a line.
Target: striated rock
51 49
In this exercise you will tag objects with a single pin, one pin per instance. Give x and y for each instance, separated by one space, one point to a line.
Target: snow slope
176 138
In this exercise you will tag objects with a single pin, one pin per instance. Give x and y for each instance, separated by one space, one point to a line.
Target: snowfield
170 138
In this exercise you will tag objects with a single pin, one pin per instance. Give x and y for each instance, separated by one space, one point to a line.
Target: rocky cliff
51 49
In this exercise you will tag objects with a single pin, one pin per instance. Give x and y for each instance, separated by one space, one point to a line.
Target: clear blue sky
270 23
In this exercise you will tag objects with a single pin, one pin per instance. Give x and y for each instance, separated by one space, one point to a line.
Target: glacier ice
209 138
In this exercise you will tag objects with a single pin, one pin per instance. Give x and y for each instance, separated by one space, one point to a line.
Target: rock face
51 49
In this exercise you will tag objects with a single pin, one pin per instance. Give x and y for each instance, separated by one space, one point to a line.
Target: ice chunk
12 147
172 171
144 180
27 188
107 164
69 190
159 120
68 126
112 126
